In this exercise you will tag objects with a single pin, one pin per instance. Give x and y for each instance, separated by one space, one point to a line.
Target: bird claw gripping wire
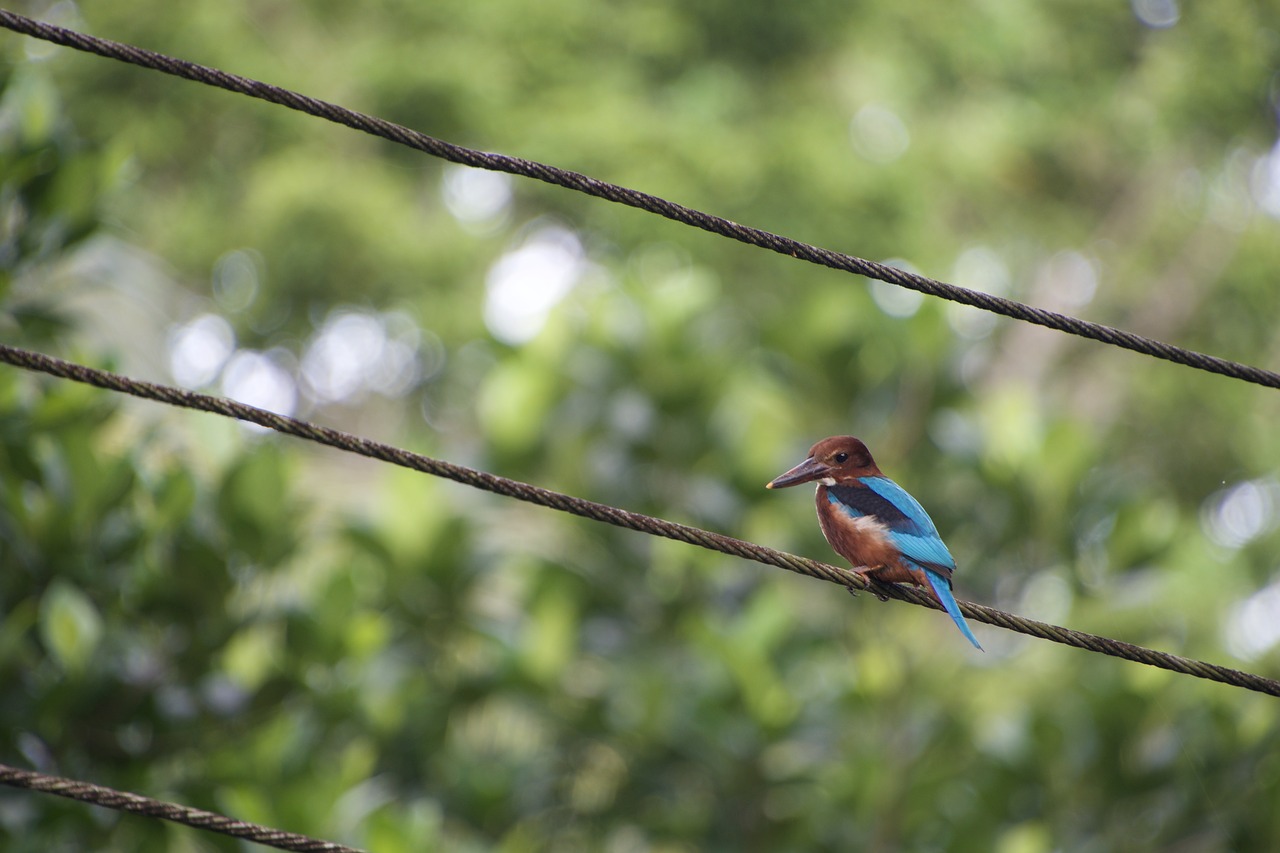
871 584
876 587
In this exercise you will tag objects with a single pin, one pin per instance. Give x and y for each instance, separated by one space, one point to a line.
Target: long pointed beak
806 472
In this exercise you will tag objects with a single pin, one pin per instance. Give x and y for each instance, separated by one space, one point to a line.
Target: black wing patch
860 500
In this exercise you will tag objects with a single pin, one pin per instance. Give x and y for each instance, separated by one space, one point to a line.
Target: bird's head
832 460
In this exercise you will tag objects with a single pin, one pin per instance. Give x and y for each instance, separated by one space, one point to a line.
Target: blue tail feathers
942 589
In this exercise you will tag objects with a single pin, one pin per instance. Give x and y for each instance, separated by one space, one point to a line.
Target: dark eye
841 458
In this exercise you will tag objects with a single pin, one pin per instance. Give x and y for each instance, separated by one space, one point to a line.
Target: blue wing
908 525
912 532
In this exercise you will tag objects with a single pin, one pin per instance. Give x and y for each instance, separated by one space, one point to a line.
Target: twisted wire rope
634 198
136 804
619 517
123 801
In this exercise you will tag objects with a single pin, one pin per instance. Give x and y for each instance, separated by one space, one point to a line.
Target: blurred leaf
69 625
252 653
553 625
254 503
377 657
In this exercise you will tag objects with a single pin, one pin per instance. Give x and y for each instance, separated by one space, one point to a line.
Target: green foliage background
199 612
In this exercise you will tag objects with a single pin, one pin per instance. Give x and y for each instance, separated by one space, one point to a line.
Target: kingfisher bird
873 523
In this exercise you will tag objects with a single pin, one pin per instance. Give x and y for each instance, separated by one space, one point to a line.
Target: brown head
832 460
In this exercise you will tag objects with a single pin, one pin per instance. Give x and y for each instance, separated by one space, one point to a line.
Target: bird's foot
876 587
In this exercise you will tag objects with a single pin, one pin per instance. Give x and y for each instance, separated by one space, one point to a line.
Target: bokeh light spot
236 279
261 380
525 284
878 134
1253 626
476 198
199 349
1157 14
1266 182
1236 516
1070 277
354 352
892 299
977 268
